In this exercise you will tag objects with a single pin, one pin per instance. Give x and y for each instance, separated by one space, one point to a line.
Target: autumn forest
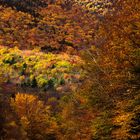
69 70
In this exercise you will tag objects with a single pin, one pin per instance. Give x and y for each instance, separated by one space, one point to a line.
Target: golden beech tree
34 116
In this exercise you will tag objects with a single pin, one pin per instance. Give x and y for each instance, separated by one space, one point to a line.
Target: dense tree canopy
70 70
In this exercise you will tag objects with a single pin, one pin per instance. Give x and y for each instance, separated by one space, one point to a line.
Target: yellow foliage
34 115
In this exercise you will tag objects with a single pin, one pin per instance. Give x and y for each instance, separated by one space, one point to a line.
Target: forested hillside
69 70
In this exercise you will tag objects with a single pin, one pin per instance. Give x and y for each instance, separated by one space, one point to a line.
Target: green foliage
11 59
33 81
42 81
43 71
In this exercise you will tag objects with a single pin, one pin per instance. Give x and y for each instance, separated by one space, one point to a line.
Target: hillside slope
69 70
